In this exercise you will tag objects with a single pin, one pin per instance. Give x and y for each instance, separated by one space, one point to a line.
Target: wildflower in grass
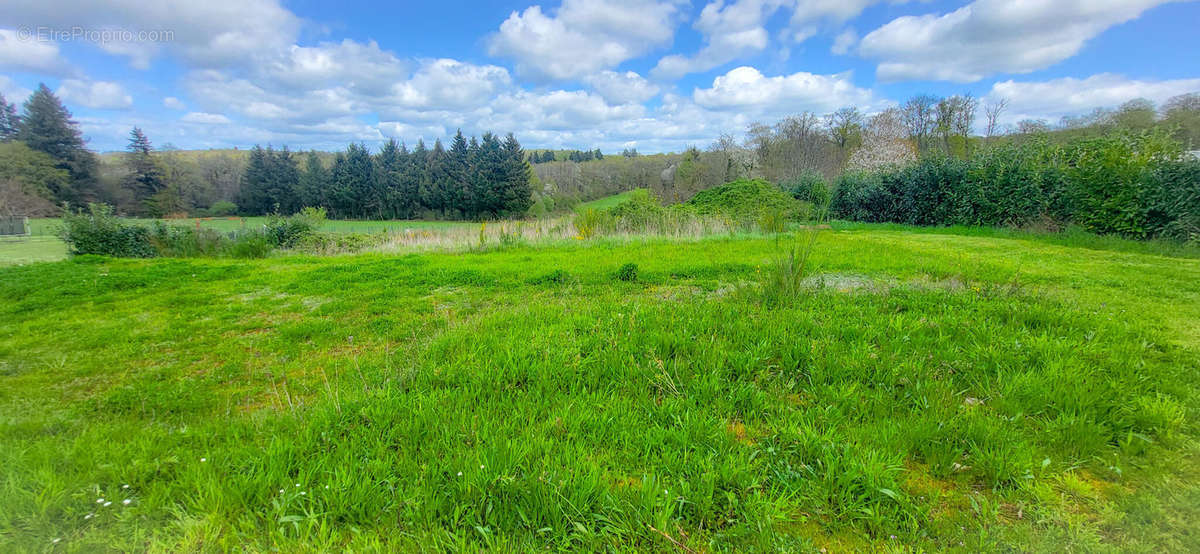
302 493
89 516
460 474
107 504
125 486
99 500
127 501
202 460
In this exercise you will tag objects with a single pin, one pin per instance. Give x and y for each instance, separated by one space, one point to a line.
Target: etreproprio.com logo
79 33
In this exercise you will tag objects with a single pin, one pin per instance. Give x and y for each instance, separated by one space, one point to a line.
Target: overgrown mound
747 200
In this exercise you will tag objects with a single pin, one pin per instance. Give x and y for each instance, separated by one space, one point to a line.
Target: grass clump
627 273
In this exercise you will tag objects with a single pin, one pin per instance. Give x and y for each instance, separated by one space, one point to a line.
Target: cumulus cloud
22 53
104 95
205 118
174 103
746 88
731 31
583 36
451 84
1070 96
358 66
622 88
992 36
212 33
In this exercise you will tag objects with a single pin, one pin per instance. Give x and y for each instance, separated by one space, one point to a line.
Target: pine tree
389 178
458 195
46 126
10 122
353 182
146 179
420 168
284 182
313 181
253 198
598 154
435 183
516 196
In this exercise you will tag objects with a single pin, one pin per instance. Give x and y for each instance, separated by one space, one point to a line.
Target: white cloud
105 95
1070 96
451 84
205 118
13 92
583 36
747 89
844 42
731 31
174 103
212 33
992 36
622 88
19 51
357 66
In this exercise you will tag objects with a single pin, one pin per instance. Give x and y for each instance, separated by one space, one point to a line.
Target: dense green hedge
1132 185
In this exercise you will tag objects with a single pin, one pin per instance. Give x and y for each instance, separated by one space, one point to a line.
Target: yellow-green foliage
745 200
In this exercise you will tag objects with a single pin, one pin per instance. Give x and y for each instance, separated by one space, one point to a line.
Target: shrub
222 209
1174 204
178 241
745 200
286 232
628 273
98 231
1110 181
249 244
859 196
809 187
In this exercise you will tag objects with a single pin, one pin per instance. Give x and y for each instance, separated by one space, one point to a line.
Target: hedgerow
1134 185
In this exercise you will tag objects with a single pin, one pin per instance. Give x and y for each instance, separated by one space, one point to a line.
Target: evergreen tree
10 122
146 179
459 192
284 181
420 169
46 126
353 180
489 170
389 178
598 154
516 195
313 181
435 183
253 198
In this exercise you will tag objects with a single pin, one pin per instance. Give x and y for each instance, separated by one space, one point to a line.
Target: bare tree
920 117
992 112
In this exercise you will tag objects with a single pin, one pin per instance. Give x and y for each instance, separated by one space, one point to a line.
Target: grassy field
604 203
929 391
44 245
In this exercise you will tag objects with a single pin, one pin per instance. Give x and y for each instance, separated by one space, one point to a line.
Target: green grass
45 245
938 392
26 250
605 203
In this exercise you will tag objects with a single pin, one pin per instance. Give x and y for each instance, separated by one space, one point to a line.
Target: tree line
473 179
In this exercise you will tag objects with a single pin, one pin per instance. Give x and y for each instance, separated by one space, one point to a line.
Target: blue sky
657 75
